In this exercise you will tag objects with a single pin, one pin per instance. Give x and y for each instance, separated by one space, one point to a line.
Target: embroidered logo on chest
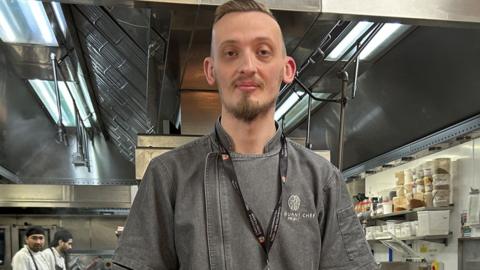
294 202
294 214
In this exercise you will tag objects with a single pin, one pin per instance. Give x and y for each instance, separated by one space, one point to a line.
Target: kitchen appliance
5 250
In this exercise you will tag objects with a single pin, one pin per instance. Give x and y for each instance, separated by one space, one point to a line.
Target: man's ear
208 70
290 70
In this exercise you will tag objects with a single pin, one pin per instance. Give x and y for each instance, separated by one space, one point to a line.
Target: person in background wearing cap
56 253
30 256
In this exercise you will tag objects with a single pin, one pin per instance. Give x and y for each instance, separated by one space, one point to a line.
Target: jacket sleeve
20 262
147 241
344 246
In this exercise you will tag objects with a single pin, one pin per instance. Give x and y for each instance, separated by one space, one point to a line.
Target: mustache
241 79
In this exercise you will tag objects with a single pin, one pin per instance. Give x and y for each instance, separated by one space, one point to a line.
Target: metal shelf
411 238
406 212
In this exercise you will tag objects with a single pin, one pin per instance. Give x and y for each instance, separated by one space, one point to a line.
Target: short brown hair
240 6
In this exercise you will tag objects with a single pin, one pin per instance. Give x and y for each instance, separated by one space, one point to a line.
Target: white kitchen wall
465 170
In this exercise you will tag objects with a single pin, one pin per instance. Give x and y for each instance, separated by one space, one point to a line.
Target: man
30 256
243 197
56 253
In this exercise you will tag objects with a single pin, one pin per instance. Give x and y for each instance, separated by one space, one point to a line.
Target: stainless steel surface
426 12
91 260
65 196
113 38
468 253
341 131
6 254
164 141
32 61
76 61
400 266
28 147
309 122
411 88
118 68
300 5
200 110
409 11
103 232
52 164
162 75
9 176
151 146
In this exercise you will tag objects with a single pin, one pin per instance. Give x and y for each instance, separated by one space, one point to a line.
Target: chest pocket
352 233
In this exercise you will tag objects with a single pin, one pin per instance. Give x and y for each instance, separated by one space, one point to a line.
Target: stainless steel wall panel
80 229
118 67
164 141
120 194
409 93
115 35
411 11
31 193
103 232
200 110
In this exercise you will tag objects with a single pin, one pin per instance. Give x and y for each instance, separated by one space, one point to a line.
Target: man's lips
246 86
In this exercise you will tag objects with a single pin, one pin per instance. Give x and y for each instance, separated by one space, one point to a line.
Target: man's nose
248 64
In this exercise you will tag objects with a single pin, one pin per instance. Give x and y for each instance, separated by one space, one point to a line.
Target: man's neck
57 248
31 250
249 137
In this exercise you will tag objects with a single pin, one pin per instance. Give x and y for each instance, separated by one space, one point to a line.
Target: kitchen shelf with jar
429 224
411 211
412 238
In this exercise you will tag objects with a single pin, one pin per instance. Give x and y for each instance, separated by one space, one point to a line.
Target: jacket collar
273 145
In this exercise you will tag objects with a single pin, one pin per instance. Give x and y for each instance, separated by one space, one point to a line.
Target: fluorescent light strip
42 21
57 8
46 92
286 106
348 41
8 33
45 95
387 31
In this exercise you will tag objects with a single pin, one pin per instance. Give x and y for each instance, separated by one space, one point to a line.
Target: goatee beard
247 111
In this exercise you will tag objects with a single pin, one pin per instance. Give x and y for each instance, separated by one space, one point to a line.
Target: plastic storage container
400 191
441 166
441 181
433 222
441 197
399 178
408 176
428 198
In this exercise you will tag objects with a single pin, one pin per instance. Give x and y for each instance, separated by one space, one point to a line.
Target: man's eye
264 52
231 53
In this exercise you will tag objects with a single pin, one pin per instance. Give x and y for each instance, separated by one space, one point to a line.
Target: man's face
35 242
248 64
65 247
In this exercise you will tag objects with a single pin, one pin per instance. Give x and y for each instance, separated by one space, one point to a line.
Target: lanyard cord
266 241
34 262
54 256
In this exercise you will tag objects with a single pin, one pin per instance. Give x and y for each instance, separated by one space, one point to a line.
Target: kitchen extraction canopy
23 21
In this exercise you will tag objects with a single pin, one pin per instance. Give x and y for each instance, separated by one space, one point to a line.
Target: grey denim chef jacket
186 215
